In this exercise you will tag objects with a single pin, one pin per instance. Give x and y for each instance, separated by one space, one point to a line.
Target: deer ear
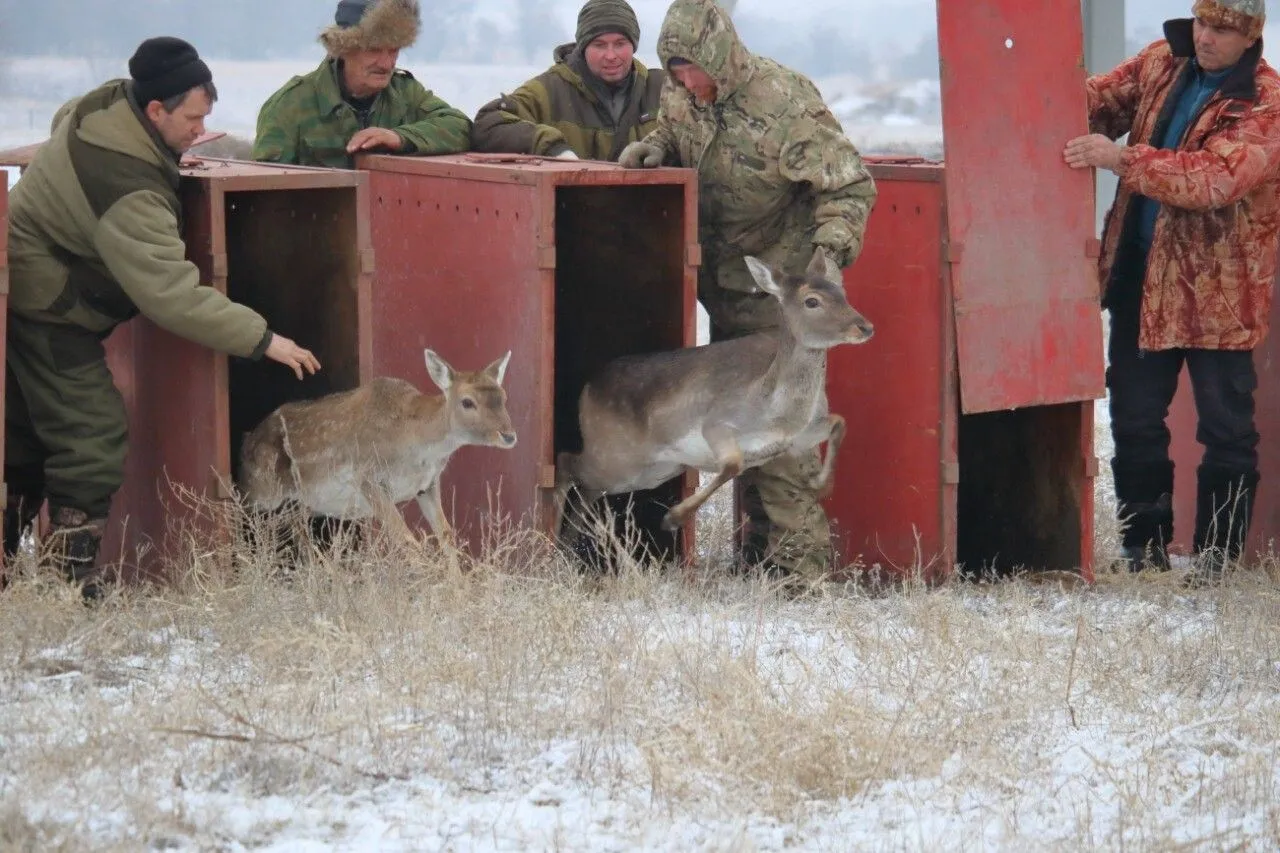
764 276
441 372
822 266
499 368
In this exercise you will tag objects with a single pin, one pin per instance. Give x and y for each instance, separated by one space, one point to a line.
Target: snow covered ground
392 705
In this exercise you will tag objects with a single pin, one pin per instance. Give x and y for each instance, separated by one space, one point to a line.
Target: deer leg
824 482
565 467
433 512
386 511
725 447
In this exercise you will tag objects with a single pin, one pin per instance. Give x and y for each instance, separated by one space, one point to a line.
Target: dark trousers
1142 385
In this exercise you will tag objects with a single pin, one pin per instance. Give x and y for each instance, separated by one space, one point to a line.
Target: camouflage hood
703 33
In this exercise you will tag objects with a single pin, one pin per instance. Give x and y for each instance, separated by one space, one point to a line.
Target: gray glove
639 155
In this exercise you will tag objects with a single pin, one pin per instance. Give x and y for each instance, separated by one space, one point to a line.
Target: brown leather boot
74 542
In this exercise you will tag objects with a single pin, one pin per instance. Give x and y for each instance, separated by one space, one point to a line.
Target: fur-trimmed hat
372 25
1245 16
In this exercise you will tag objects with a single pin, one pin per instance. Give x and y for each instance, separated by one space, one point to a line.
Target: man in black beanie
589 104
94 240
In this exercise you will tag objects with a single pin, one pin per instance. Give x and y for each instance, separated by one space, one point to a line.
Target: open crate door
1026 297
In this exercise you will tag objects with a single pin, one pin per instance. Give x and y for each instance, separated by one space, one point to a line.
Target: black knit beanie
166 66
607 16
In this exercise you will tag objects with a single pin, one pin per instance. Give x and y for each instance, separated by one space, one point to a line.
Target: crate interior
1021 490
619 291
292 255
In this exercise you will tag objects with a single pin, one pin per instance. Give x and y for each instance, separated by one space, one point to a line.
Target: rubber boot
75 540
1224 512
1144 493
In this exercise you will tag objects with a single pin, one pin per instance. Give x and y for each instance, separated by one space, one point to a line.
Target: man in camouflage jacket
594 100
777 178
94 240
1188 261
357 100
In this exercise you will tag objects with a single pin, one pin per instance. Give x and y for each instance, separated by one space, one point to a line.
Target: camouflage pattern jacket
94 233
307 122
557 110
777 175
1209 273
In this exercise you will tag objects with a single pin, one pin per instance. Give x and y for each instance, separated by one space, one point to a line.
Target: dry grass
1132 714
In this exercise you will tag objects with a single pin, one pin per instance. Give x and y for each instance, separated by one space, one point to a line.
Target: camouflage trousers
65 421
785 523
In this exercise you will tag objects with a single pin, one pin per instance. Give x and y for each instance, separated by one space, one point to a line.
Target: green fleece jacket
307 122
560 110
95 236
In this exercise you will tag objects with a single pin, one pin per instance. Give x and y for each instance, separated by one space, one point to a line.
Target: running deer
721 408
357 454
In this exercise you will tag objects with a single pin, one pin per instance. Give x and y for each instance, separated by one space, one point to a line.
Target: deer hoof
672 521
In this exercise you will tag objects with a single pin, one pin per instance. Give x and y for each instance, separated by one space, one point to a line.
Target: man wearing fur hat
357 100
1188 260
589 104
94 240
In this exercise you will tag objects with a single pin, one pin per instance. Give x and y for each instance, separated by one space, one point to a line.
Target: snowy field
388 702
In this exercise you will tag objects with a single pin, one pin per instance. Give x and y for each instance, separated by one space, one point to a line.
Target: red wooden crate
566 264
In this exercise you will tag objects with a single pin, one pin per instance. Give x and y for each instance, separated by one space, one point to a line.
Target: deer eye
468 403
813 302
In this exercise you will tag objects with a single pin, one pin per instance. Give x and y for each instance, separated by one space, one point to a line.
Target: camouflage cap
1246 16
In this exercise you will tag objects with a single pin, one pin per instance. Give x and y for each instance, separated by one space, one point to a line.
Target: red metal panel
456 273
1021 221
895 497
467 264
176 395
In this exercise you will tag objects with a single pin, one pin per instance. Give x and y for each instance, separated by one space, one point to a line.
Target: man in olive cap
94 240
593 100
357 100
1188 261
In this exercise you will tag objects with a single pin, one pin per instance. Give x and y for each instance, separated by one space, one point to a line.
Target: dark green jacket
558 110
95 238
307 122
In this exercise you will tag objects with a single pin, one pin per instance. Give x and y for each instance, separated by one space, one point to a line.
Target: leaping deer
720 408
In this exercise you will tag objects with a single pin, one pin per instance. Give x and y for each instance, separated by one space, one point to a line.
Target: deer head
814 305
475 401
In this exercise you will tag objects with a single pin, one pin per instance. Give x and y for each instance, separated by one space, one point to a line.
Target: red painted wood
1020 220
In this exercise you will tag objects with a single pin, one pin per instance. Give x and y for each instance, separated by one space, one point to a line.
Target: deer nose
862 332
508 439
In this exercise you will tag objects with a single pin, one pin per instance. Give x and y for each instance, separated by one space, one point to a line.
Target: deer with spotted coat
721 408
358 454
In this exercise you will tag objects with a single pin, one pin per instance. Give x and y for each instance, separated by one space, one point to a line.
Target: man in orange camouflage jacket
1189 255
